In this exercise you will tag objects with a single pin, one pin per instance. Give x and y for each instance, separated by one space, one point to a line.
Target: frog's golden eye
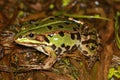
31 35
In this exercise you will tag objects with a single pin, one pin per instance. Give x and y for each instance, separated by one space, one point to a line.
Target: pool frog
55 36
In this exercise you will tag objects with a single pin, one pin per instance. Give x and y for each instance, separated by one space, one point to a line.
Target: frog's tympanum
55 36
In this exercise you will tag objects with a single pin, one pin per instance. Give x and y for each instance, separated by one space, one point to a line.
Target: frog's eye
31 35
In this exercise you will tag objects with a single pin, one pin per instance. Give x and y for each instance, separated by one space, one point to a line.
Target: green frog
55 36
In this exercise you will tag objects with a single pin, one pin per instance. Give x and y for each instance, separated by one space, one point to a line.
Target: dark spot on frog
52 18
88 34
46 39
74 29
67 47
61 33
92 48
60 26
67 23
53 47
78 36
63 45
85 52
72 36
74 47
49 27
87 45
59 50
89 41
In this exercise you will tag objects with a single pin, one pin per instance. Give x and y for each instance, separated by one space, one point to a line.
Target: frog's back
53 24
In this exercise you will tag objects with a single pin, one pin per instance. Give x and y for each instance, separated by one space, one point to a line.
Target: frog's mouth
29 42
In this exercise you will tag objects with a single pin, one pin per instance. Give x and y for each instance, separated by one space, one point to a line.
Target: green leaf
85 16
66 2
51 6
117 74
117 29
111 73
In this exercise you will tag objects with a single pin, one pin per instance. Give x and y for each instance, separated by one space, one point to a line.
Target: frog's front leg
48 63
50 60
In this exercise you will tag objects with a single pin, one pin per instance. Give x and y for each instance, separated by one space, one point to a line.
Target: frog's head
31 39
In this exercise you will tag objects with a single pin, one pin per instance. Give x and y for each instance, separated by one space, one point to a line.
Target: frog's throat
40 46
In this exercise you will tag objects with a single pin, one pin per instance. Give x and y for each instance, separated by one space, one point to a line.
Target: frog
56 36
